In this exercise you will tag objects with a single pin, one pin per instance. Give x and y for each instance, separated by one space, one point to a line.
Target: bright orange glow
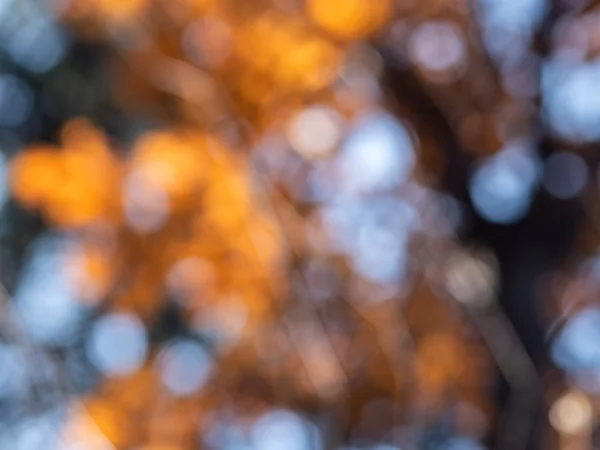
350 19
74 186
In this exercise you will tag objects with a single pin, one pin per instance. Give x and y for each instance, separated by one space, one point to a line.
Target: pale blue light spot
282 429
38 46
227 436
35 432
572 98
578 345
44 297
378 154
519 16
118 344
13 376
463 443
374 234
501 188
16 101
185 367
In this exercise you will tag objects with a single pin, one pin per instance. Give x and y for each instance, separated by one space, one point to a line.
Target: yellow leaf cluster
74 185
261 55
350 19
173 163
212 217
284 49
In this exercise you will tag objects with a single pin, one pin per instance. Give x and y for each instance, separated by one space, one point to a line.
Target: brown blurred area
299 224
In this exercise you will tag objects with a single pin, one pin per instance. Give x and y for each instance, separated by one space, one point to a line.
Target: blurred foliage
299 224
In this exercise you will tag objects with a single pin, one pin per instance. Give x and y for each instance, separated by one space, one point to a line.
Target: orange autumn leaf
72 186
350 19
34 175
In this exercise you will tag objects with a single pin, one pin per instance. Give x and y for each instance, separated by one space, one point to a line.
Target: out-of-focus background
299 224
